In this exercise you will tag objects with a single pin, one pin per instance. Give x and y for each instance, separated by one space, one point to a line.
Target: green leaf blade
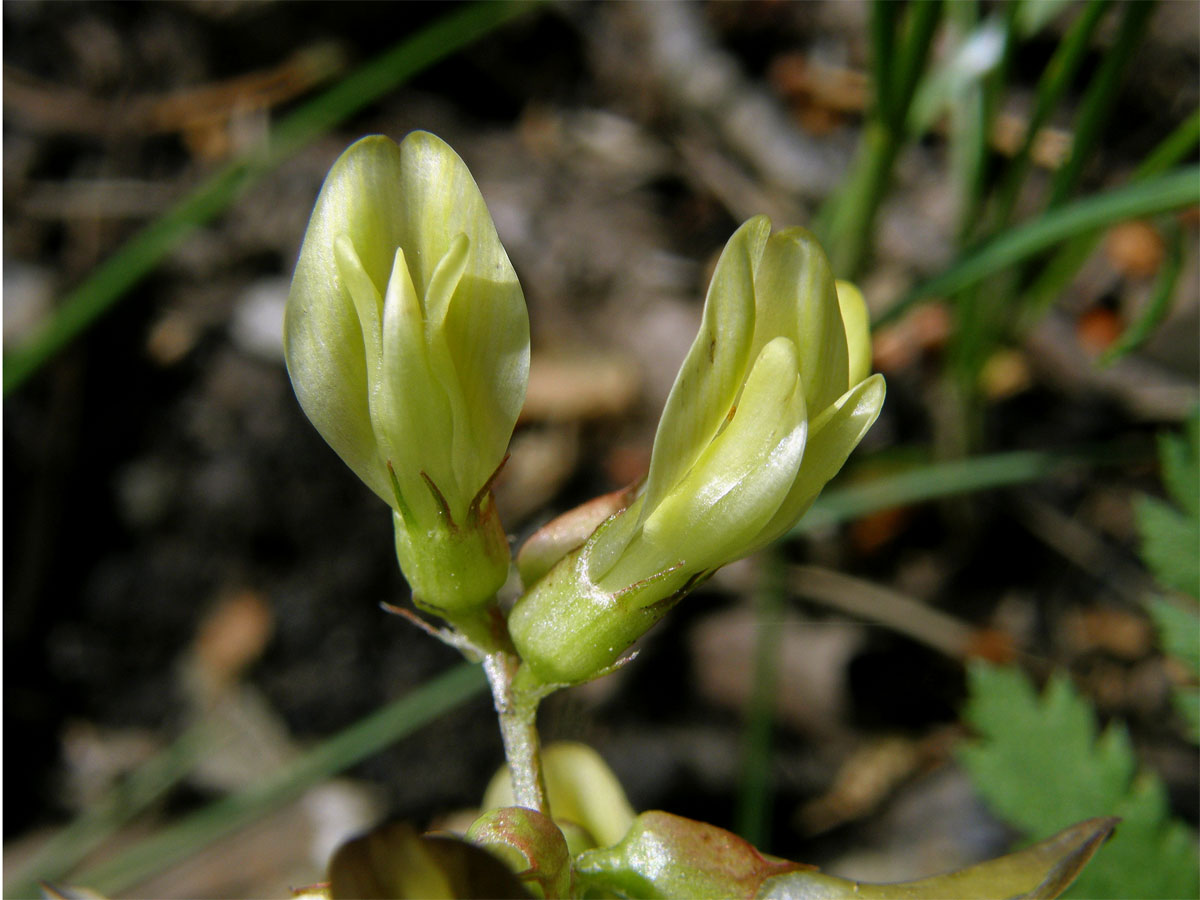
1038 761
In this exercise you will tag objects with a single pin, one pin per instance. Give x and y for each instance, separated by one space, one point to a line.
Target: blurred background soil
175 527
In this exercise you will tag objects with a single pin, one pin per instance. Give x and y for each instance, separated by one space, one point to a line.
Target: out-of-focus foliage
1041 763
1171 547
1171 534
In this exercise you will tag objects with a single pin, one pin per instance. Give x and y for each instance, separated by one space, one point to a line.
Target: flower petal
712 373
411 401
739 481
486 325
323 337
831 438
455 451
796 299
858 329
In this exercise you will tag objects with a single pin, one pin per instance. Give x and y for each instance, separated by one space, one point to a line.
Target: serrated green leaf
1038 762
1187 703
1180 457
1152 856
1170 544
1178 631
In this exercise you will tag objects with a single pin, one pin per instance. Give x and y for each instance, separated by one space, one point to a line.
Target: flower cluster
408 344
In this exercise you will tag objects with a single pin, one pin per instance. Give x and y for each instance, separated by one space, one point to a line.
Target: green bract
407 342
769 402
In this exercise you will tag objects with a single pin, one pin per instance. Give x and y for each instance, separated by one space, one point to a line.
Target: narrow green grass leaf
368 736
121 804
921 21
754 793
846 223
1159 305
146 249
1058 76
930 482
1172 150
883 34
1034 15
1143 198
1067 259
1098 100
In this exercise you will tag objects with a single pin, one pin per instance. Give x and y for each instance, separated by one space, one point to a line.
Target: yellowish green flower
407 341
771 399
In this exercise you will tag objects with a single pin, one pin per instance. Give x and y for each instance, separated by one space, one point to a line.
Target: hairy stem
516 706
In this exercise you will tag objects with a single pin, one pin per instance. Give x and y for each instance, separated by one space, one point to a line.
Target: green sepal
567 629
1039 872
567 532
664 855
394 862
454 569
530 844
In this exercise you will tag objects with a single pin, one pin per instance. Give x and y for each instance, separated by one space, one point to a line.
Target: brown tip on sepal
440 499
482 495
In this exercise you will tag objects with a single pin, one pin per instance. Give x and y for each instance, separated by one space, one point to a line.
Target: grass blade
754 793
1142 198
1178 144
1099 99
1067 260
137 257
151 781
883 30
921 22
370 735
846 223
1052 86
943 479
1158 307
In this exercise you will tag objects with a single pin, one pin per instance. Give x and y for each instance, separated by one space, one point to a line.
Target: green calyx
567 628
452 568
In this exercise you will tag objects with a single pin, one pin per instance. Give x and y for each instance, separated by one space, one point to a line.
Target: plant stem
754 798
516 706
